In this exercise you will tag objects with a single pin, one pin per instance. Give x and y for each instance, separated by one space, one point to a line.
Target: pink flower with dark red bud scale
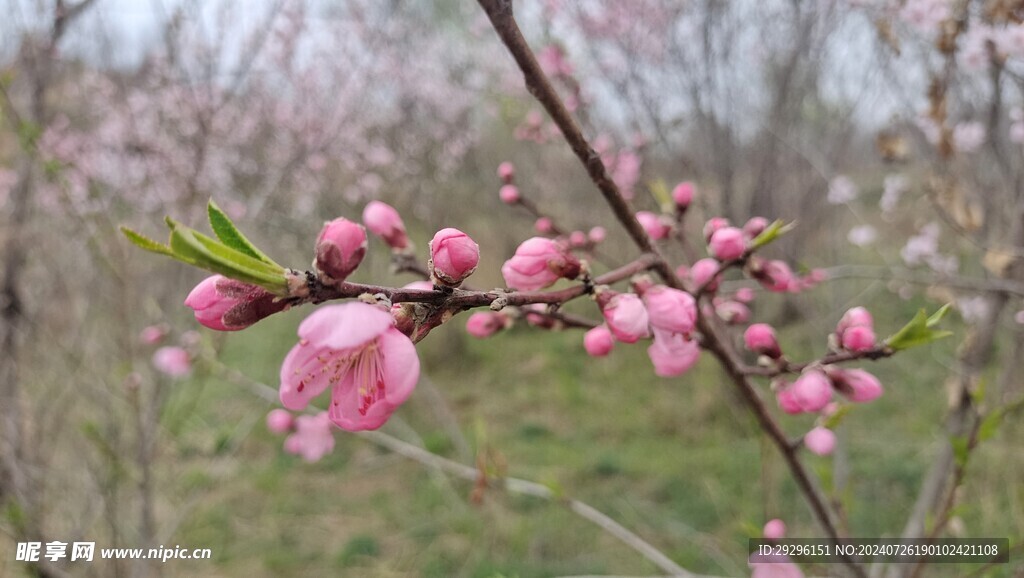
228 305
682 195
354 348
384 221
313 438
509 194
760 338
453 257
812 390
538 263
172 361
732 312
506 171
626 316
598 341
856 384
727 244
656 228
280 421
776 276
672 354
670 309
820 441
486 323
340 248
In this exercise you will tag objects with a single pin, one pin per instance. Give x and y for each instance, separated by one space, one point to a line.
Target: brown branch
874 354
499 12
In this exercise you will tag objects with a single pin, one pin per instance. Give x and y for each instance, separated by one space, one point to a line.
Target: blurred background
889 131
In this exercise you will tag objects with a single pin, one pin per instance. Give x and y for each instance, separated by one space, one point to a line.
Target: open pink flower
670 309
313 438
355 349
172 361
384 221
672 354
228 305
453 257
538 263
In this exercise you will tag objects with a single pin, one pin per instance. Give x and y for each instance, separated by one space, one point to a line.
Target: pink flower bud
682 195
704 272
384 221
732 312
812 391
313 438
714 224
859 338
776 276
153 334
597 235
760 338
856 384
339 249
670 309
538 263
509 194
774 530
506 171
279 421
544 226
486 323
172 361
744 295
598 341
820 441
754 227
787 400
228 305
627 317
655 227
855 317
672 354
578 239
453 257
727 244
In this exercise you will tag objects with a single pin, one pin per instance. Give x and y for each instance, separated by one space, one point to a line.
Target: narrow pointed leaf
934 319
229 234
919 331
772 232
143 242
206 253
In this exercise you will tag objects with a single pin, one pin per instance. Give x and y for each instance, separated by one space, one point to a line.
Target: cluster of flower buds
666 314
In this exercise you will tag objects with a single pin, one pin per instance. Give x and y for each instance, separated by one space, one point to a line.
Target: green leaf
934 318
143 242
201 251
919 331
772 232
989 425
231 236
